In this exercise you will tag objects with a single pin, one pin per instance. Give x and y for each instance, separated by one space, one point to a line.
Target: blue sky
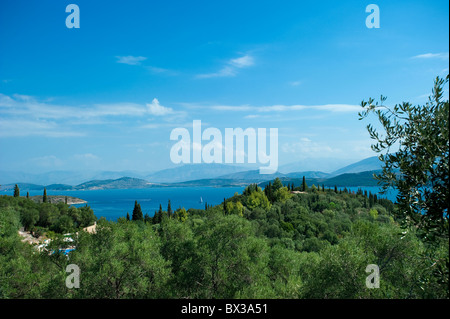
107 95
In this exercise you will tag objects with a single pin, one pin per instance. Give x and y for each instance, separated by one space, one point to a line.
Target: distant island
55 199
207 175
242 179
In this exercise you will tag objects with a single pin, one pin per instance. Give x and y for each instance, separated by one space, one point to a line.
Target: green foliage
231 258
256 199
137 212
16 191
304 185
29 218
277 184
282 194
419 169
121 260
307 245
235 208
181 214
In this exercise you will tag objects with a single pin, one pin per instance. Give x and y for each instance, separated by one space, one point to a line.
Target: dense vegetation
45 217
413 144
267 243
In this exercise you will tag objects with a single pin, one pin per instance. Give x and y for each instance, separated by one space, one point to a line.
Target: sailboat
201 199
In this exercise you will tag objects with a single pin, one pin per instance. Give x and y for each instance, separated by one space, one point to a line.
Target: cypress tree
44 197
335 189
160 214
28 195
137 212
128 216
169 209
16 191
268 190
304 186
371 201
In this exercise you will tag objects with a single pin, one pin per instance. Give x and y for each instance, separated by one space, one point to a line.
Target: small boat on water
201 200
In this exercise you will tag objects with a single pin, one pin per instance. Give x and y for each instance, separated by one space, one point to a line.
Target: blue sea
115 203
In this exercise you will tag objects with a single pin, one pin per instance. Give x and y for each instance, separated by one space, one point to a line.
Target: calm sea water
391 195
115 203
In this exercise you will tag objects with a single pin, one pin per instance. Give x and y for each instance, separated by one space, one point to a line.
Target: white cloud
442 56
115 109
231 68
22 115
157 109
309 148
22 127
22 105
242 62
131 60
287 108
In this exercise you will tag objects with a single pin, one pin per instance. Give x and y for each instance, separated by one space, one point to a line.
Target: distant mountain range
368 164
64 177
218 175
192 172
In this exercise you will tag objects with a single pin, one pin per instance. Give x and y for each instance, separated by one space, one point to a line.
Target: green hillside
257 244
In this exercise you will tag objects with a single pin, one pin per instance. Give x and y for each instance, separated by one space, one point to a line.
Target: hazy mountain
118 174
317 164
186 175
308 174
368 164
121 183
64 177
8 177
59 187
353 179
343 180
211 182
53 177
192 172
22 186
252 176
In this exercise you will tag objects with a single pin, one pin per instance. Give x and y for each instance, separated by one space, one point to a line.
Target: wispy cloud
131 60
231 68
287 108
309 148
242 62
295 83
48 161
440 56
23 115
18 127
157 109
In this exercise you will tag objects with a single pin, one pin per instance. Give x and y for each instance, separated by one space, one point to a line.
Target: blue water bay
115 203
